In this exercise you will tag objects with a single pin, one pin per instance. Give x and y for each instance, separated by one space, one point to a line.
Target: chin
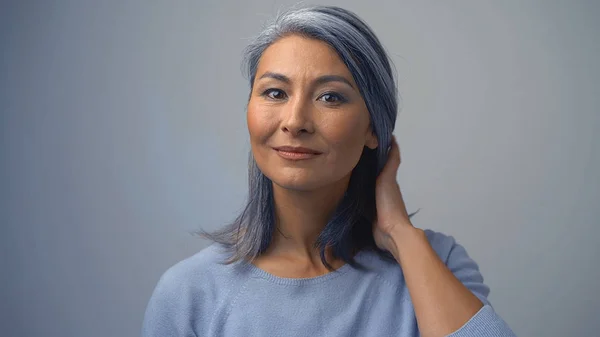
306 181
297 183
303 178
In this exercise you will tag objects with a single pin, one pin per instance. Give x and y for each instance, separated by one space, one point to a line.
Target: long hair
350 228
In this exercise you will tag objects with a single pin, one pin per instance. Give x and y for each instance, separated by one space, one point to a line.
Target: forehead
298 55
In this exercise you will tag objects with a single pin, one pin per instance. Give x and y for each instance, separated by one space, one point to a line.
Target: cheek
261 123
347 132
346 137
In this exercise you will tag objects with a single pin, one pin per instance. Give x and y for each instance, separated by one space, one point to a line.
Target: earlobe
372 142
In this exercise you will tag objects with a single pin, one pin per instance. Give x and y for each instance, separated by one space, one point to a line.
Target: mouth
296 153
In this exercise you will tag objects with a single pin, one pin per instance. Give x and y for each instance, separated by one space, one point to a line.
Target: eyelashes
329 97
274 94
333 98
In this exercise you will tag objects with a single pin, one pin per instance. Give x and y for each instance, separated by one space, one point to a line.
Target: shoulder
207 260
458 261
188 291
443 244
450 252
197 276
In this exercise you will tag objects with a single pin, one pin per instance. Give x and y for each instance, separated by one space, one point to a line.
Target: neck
301 217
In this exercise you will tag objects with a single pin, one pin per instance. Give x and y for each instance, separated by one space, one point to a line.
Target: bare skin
318 106
442 303
304 96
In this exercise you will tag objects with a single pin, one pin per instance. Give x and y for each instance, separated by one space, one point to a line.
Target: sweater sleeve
167 310
486 322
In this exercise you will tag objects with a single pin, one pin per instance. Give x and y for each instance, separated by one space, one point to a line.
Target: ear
371 141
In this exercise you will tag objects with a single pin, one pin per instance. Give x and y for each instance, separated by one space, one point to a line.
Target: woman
325 246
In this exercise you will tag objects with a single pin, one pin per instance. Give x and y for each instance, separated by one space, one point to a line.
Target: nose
297 117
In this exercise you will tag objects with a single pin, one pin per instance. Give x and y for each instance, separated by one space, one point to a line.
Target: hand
391 211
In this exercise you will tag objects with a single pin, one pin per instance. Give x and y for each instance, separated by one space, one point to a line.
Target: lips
296 152
297 149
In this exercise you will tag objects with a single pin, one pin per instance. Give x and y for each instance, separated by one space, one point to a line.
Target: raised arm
449 296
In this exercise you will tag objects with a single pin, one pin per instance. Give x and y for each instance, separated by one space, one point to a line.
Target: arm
443 295
449 298
442 303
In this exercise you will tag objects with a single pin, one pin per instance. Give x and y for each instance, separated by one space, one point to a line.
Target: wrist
402 238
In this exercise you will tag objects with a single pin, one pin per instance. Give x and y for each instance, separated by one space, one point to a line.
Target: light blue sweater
201 297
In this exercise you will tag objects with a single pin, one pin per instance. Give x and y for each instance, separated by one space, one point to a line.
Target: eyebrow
319 81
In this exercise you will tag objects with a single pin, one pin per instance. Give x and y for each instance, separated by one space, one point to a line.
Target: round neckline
344 269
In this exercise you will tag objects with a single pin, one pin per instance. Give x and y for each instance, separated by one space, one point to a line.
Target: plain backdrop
123 129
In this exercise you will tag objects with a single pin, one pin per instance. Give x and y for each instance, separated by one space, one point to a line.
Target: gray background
123 128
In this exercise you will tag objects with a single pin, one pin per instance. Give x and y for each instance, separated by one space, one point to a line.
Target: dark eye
274 94
332 98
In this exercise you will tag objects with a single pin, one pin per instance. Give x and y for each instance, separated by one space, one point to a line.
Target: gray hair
350 228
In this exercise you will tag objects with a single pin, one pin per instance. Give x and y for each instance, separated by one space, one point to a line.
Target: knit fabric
199 297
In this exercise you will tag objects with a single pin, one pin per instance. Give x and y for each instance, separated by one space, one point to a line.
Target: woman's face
308 122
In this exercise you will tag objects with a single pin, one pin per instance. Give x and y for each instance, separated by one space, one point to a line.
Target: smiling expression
307 121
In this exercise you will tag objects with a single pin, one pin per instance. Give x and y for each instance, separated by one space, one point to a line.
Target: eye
274 94
332 98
